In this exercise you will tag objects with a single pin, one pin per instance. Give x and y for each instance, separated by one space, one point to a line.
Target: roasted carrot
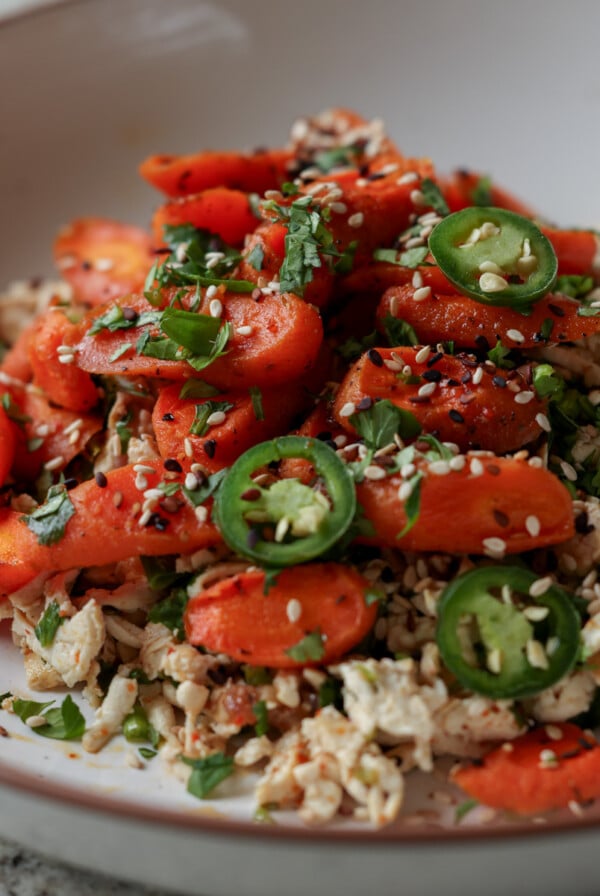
220 210
238 618
470 324
439 390
578 251
52 358
537 772
500 498
109 524
7 445
103 259
463 188
250 172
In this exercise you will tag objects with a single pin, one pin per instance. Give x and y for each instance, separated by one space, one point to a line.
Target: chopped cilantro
500 356
433 197
160 572
13 411
256 257
399 332
48 521
261 714
200 425
575 285
382 421
50 621
410 258
257 405
257 675
547 382
330 693
481 194
464 809
193 388
207 773
311 647
412 505
170 610
338 157
124 431
64 722
353 348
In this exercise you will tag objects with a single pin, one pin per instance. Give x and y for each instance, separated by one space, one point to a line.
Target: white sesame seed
340 441
54 463
524 397
543 422
66 262
490 267
535 614
489 282
216 418
215 308
211 291
356 220
548 759
536 462
540 586
475 467
74 437
457 463
423 354
145 517
395 305
575 808
413 242
35 721
213 261
244 330
65 349
553 732
201 513
104 264
374 472
348 409
494 661
76 424
494 546
118 499
409 177
188 447
143 468
515 335
417 279
405 491
417 197
422 293
426 390
536 655
568 470
66 359
293 610
439 467
339 208
407 369
533 525
407 470
191 482
141 483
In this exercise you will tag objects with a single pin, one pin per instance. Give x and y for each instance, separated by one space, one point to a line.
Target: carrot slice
236 617
483 415
250 172
103 259
52 358
470 324
535 772
462 188
219 210
578 251
109 524
7 445
498 498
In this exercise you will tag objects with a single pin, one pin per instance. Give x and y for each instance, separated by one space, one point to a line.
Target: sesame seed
405 491
143 468
575 808
553 732
494 547
66 359
490 282
101 480
216 418
536 655
568 470
191 482
348 409
293 610
422 293
374 472
201 514
215 308
477 376
423 354
457 463
188 447
144 519
439 467
65 349
413 243
417 280
540 586
494 661
104 264
244 330
417 197
533 525
374 357
356 220
456 416
211 291
55 463
36 721
535 614
339 208
340 441
536 462
141 483
515 335
543 422
490 267
66 262
548 758
426 390
409 177
476 467
118 499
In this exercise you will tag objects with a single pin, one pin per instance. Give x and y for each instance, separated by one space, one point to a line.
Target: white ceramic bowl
91 87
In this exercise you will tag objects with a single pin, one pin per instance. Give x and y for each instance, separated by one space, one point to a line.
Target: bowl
91 87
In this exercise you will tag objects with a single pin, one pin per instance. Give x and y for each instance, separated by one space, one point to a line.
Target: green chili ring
467 606
231 507
460 254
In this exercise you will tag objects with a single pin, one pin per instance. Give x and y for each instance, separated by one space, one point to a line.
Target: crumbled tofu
581 553
254 750
569 697
461 724
118 703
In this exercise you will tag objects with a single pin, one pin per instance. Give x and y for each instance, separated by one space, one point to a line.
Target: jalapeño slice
286 522
500 641
495 256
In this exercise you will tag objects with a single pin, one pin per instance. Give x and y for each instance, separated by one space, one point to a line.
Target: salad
303 479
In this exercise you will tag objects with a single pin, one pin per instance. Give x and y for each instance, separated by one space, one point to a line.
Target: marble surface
23 873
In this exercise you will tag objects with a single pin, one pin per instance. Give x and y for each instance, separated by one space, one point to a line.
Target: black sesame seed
493 469
456 416
172 465
71 483
435 358
557 310
168 418
210 447
130 314
374 357
101 480
364 404
466 378
432 376
324 436
482 343
499 381
501 518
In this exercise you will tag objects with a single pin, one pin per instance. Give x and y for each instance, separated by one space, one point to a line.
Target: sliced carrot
578 251
279 342
249 419
109 525
7 445
53 365
250 172
16 363
488 414
220 210
103 259
489 498
318 425
461 189
470 324
536 772
375 278
236 617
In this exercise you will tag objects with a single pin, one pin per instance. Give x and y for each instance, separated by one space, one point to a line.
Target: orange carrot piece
461 187
103 259
7 445
535 772
236 617
64 383
107 526
483 415
440 317
220 210
250 172
491 497
578 251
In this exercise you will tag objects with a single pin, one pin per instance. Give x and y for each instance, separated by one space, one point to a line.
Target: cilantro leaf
207 773
256 257
48 521
481 194
412 505
464 809
170 610
64 722
410 258
547 382
574 285
330 693
399 332
257 406
194 388
311 647
306 236
199 495
261 715
433 197
160 572
499 355
12 410
382 421
50 621
200 425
